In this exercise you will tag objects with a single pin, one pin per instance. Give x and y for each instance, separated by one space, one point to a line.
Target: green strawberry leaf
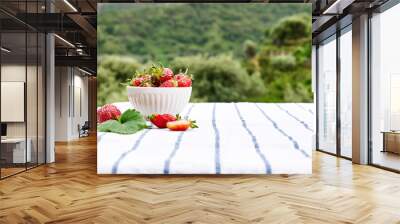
131 114
130 122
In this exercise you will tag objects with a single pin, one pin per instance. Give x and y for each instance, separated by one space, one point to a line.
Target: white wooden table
232 138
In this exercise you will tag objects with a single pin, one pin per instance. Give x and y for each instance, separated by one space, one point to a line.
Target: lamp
337 7
70 5
84 71
64 40
5 50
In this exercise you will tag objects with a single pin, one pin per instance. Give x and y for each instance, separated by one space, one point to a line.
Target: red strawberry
147 84
180 76
181 125
107 112
143 80
169 83
161 120
185 82
167 75
147 81
137 81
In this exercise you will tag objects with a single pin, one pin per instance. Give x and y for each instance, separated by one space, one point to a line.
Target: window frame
381 9
339 32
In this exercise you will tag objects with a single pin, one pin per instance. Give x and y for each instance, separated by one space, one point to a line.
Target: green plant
220 79
111 72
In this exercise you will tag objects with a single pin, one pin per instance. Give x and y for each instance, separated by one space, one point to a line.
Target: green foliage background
236 52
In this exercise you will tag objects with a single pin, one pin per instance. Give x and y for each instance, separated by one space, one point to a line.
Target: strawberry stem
193 124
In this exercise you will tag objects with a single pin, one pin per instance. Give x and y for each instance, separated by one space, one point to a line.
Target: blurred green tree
285 60
112 72
250 49
219 78
164 31
291 30
250 60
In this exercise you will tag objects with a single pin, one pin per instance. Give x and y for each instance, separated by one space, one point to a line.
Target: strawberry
169 83
108 112
167 75
146 81
180 76
142 80
185 82
156 71
160 76
181 125
137 81
161 120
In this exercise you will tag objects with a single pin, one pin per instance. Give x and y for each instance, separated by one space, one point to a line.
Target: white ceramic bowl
159 100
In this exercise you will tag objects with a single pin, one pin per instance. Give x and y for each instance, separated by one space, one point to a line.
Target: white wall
33 126
62 81
71 102
14 73
80 98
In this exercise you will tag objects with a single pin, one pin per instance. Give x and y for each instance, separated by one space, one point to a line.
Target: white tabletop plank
233 138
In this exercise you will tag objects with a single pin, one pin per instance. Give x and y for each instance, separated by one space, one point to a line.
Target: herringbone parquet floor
70 191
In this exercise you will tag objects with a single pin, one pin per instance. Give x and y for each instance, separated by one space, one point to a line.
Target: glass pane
13 87
385 84
22 88
346 93
32 87
31 100
327 96
41 98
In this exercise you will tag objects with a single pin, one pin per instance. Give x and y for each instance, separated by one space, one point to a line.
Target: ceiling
332 15
74 22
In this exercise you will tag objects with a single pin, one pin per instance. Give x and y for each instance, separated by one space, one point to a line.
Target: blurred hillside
263 50
165 31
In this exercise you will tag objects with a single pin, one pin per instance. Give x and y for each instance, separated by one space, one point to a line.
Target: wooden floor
70 191
10 171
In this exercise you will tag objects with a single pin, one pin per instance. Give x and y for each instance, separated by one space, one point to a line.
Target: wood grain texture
70 191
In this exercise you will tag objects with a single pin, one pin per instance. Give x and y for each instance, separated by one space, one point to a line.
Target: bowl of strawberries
158 90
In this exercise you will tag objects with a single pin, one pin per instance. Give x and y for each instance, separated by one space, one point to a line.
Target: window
22 77
346 92
327 95
385 89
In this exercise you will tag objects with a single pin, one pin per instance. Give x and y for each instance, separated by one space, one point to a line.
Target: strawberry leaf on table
130 122
131 114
